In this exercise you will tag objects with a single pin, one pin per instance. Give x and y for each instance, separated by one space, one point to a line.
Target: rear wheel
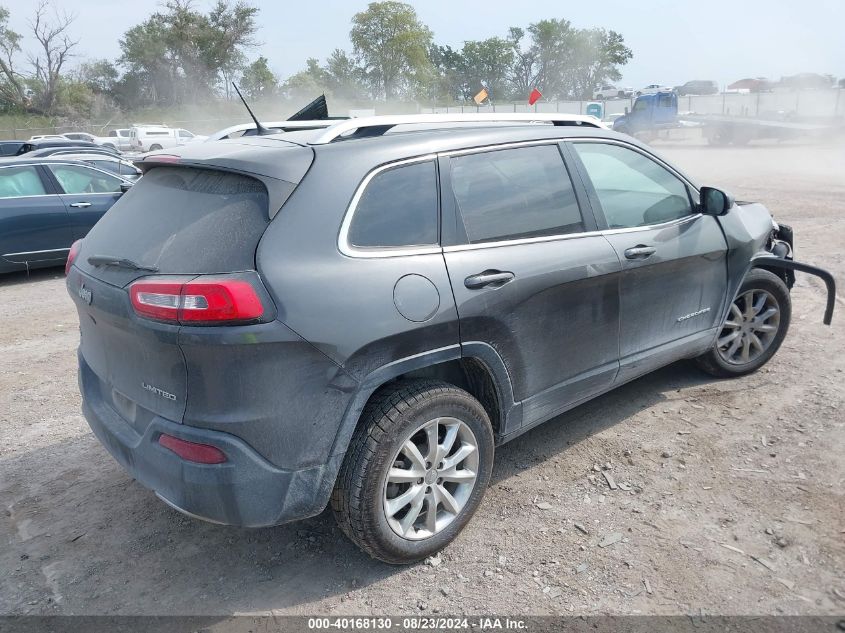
154 148
756 325
415 472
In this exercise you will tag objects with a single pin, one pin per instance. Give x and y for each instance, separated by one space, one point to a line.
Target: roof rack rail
378 125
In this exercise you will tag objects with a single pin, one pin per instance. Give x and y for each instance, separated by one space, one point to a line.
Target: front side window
79 179
515 193
633 189
20 181
398 208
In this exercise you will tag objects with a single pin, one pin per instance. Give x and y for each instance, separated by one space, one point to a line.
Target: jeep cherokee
357 316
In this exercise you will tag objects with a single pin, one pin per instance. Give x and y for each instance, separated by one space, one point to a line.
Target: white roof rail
378 125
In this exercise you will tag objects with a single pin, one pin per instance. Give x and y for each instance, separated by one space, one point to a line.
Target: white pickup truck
149 138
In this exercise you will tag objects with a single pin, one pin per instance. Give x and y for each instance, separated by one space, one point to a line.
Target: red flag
534 97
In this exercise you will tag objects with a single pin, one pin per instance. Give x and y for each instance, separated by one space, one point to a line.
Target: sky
673 41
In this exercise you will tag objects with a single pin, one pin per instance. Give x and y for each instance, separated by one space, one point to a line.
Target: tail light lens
201 301
191 451
71 256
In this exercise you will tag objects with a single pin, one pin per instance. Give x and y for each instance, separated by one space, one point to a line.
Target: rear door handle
493 278
640 251
80 205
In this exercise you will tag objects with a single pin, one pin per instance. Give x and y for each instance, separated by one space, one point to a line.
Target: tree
100 75
563 61
56 47
448 82
523 74
597 55
478 64
344 78
487 63
181 55
231 29
392 45
258 80
551 47
307 83
12 84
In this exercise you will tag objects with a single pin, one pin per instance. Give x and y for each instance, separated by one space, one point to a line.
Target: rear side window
184 220
20 181
398 208
515 193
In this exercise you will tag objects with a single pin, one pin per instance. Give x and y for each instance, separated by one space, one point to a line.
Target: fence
810 103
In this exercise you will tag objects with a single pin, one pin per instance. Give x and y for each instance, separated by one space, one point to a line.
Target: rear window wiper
108 260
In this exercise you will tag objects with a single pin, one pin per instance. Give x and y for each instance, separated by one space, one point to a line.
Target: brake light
191 451
71 255
204 300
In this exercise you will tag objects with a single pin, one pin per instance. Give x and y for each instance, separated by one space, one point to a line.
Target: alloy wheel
751 326
430 478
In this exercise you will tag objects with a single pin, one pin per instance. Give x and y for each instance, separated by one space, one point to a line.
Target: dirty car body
530 318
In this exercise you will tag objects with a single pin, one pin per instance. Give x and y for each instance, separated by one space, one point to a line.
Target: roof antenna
260 129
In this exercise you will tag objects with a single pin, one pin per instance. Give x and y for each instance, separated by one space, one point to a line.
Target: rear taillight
191 451
201 301
71 255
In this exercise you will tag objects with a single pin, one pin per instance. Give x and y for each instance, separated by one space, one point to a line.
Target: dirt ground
730 498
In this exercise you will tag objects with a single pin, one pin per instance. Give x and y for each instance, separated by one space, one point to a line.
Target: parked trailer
656 116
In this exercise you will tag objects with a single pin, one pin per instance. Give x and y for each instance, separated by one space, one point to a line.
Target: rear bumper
246 490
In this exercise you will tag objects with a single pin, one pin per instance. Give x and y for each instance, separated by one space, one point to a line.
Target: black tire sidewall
456 404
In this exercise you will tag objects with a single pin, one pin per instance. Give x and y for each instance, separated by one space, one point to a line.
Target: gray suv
357 316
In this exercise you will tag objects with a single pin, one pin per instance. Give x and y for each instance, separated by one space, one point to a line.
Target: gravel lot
733 499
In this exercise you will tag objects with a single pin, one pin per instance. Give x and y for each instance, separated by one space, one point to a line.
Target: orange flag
481 96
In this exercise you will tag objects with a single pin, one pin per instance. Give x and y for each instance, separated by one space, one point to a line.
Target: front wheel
415 472
756 325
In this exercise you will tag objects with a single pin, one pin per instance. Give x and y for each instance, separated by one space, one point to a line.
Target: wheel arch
475 367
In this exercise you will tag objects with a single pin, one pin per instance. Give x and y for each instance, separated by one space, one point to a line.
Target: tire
394 417
155 148
769 292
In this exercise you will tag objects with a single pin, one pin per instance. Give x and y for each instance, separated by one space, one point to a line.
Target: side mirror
715 201
125 186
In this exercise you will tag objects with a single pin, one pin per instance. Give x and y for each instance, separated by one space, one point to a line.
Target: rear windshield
185 220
